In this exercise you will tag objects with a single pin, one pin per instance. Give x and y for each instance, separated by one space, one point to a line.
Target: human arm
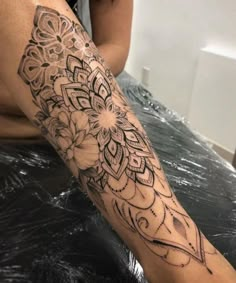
65 88
111 28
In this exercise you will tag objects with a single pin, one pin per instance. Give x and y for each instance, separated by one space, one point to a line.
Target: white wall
213 103
167 37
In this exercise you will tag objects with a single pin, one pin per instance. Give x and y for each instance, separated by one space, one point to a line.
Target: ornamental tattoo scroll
83 113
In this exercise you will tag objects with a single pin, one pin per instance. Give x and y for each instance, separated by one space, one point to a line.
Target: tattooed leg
80 109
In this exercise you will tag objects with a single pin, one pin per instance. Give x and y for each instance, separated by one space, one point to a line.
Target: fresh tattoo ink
83 113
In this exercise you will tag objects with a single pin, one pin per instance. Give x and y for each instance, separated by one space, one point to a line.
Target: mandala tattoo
83 113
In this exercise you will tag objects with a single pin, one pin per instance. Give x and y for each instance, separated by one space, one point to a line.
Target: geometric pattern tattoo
82 112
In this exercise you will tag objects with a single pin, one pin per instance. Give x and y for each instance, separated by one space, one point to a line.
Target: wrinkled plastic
51 233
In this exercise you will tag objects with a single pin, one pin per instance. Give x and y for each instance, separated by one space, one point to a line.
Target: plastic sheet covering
51 233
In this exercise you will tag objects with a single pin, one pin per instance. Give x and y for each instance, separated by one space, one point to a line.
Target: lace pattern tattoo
83 113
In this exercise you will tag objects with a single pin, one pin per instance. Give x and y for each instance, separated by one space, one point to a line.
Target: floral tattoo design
82 112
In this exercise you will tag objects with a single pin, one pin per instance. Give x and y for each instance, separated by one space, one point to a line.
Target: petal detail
64 143
63 117
80 119
87 153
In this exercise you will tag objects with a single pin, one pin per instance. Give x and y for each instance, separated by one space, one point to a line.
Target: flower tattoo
78 147
84 114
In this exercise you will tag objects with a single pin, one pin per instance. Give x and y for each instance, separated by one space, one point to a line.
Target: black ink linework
83 113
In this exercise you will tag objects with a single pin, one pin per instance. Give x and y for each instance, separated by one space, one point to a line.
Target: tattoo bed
51 238
48 236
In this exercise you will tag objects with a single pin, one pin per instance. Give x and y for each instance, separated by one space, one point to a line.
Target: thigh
13 122
7 102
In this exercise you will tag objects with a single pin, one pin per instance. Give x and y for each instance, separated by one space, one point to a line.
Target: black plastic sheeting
51 233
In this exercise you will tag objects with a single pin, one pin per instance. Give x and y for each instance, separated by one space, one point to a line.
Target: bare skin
62 84
111 28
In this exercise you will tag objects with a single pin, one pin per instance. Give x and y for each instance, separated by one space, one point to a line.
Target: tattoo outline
82 112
